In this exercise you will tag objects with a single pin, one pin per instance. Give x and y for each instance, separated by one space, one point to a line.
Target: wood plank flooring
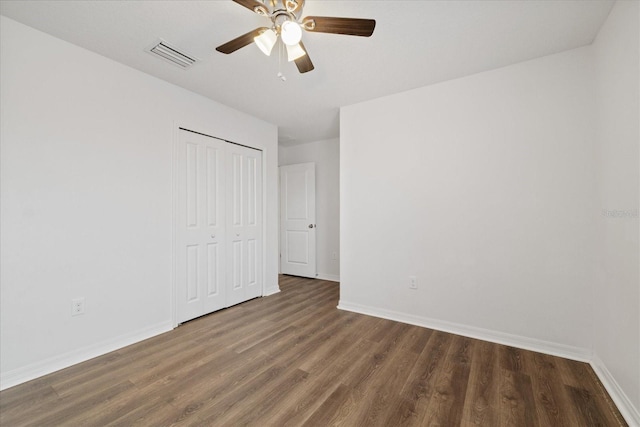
293 359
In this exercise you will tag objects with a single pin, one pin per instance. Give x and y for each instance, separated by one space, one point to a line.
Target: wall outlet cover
77 306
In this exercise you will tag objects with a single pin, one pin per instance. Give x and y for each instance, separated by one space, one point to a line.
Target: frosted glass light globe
291 33
265 41
294 52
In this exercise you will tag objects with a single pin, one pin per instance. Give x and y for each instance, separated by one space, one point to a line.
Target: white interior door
200 230
298 220
244 223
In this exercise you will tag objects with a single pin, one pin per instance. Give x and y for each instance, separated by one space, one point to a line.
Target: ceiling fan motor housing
281 11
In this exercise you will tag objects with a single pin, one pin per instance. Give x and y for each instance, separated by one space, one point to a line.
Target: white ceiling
415 43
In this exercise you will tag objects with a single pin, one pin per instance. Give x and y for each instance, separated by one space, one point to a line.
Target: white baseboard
271 291
329 277
630 413
47 366
555 349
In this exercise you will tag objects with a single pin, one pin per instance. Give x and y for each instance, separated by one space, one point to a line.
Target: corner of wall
616 311
619 397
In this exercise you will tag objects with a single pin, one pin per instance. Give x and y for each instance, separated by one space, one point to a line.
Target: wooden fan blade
254 6
240 42
348 26
304 63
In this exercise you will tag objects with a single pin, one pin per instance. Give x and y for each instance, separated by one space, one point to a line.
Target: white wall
617 293
86 185
513 195
326 156
483 188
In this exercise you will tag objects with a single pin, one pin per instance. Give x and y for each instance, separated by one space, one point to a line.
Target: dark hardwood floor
293 359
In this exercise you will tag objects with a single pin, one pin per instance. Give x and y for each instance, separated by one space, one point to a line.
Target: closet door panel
245 224
200 225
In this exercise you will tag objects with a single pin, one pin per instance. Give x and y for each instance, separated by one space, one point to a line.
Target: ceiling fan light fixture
294 52
291 33
287 24
266 41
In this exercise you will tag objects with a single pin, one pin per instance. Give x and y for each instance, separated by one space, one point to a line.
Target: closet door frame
203 130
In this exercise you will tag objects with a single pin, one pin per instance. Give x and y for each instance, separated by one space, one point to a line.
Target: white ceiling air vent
169 53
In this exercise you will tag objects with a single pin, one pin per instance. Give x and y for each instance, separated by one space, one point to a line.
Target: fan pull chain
280 50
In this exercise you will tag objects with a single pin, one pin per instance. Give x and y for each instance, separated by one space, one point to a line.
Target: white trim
174 216
271 291
630 413
52 364
621 400
555 349
329 277
265 199
619 397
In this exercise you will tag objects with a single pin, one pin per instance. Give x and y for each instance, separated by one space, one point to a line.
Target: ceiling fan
287 23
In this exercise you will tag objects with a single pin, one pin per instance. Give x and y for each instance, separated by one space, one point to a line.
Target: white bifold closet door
244 224
219 225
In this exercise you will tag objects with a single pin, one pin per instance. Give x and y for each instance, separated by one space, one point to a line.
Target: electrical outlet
77 306
413 282
334 256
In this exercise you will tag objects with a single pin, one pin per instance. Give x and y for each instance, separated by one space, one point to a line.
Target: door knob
213 236
311 225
